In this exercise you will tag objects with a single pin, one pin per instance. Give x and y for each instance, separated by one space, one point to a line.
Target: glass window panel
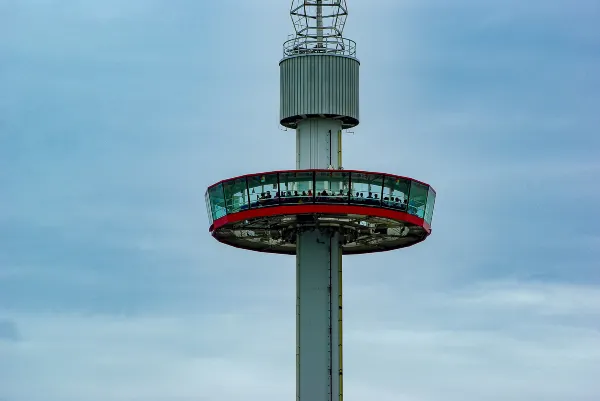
430 205
208 211
366 188
395 192
263 190
332 186
236 195
217 201
296 187
417 199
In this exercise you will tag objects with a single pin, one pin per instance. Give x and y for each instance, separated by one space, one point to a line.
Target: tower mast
319 123
319 23
319 210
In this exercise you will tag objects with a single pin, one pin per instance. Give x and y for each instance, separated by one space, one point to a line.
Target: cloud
139 358
115 117
8 331
481 348
545 298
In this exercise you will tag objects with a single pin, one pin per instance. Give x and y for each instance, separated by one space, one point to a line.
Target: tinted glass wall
320 186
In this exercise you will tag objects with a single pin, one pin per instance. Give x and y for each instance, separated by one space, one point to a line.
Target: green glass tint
263 190
296 187
236 195
430 206
331 186
395 192
217 202
417 199
366 188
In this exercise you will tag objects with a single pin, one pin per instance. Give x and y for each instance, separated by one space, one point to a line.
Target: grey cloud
201 355
119 115
9 330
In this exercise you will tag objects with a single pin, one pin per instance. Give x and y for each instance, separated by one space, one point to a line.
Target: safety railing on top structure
279 188
327 45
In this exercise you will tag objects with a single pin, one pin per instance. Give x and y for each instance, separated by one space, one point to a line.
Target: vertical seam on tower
340 328
330 323
298 264
330 149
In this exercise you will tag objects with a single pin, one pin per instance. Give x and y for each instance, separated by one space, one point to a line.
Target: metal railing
327 45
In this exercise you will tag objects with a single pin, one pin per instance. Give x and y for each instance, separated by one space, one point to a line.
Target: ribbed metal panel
317 85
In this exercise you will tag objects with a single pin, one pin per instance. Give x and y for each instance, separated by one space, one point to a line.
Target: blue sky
116 115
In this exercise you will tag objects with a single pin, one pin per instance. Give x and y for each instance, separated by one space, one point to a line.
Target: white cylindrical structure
319 98
318 143
319 371
318 277
319 316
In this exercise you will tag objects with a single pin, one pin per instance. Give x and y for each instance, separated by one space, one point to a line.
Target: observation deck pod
373 212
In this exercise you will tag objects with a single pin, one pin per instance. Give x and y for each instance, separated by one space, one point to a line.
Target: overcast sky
115 115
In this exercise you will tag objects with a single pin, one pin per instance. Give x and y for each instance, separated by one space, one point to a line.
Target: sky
116 115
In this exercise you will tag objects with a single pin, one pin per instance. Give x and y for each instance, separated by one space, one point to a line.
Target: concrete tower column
318 316
319 98
318 143
318 278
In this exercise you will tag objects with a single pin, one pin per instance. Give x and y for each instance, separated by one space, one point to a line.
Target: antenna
319 23
319 26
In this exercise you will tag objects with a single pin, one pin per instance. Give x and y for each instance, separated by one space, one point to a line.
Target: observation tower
319 211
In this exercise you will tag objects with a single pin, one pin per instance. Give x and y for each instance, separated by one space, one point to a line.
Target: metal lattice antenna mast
320 23
319 26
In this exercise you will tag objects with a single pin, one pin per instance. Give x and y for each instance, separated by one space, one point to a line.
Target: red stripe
283 210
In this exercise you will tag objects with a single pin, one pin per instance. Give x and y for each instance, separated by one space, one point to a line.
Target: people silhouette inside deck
322 196
285 196
261 199
334 193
